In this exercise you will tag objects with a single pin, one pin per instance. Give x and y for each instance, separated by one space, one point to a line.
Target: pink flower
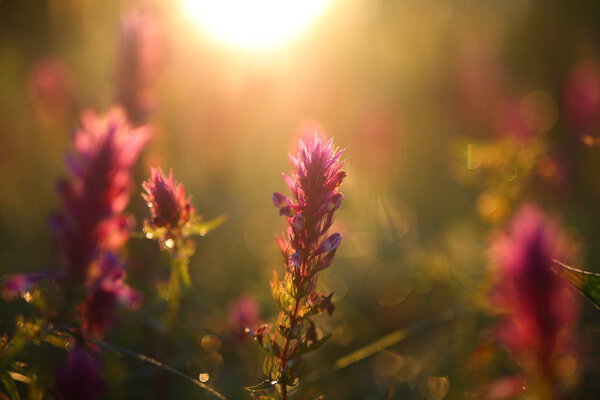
18 284
140 58
315 198
541 308
51 89
169 206
582 98
106 288
80 377
95 198
243 314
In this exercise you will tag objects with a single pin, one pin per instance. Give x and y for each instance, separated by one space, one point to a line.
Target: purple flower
79 378
94 199
541 309
315 198
18 284
169 206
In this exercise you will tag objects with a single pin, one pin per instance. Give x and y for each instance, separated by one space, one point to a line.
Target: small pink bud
336 201
279 199
331 243
295 260
339 177
299 221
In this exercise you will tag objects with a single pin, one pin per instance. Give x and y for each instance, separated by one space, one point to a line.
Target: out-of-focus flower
541 308
80 377
243 314
51 89
94 199
169 206
106 288
138 66
582 98
18 284
509 120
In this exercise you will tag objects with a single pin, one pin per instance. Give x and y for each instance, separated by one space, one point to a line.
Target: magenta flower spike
315 198
94 200
169 206
307 249
541 308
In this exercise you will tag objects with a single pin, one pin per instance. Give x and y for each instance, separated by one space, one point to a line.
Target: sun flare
258 25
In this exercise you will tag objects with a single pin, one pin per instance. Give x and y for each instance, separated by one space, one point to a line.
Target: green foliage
10 386
588 283
264 385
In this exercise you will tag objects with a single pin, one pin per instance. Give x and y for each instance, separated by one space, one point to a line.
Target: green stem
286 345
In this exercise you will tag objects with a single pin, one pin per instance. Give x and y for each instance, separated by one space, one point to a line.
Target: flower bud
335 202
287 211
299 221
279 199
331 243
295 260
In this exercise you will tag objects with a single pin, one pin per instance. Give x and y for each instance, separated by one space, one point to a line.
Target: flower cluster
541 309
172 223
307 249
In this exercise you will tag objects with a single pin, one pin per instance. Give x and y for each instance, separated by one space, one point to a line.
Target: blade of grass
390 340
152 361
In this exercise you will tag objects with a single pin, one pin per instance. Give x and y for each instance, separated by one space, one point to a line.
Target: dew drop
149 235
203 377
169 243
27 296
149 205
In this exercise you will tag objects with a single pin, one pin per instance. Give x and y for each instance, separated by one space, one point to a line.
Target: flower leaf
203 227
10 386
588 283
315 345
267 384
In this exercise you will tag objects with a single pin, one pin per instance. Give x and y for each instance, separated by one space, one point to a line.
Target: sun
256 25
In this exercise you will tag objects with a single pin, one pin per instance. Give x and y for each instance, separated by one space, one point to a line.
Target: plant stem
286 346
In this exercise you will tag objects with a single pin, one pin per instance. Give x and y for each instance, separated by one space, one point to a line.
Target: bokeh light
259 25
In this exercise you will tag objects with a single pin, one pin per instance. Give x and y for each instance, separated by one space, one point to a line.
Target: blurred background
453 113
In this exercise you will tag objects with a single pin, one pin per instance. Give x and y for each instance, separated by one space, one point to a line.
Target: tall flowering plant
173 222
540 307
307 249
90 229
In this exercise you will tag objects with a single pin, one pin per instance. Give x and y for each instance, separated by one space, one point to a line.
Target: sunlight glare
259 25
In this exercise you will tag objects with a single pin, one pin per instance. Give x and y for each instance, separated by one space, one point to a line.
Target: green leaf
204 227
268 384
9 384
588 283
315 345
